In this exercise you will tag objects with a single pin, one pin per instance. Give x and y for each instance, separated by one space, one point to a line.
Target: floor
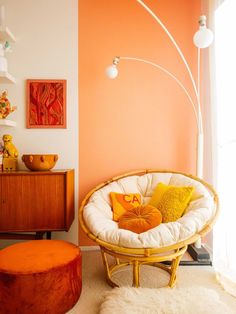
94 284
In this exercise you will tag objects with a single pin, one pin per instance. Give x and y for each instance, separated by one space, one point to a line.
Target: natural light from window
225 43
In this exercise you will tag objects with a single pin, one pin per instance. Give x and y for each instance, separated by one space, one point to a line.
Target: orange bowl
40 162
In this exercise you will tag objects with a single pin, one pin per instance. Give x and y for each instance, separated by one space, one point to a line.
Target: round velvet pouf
40 276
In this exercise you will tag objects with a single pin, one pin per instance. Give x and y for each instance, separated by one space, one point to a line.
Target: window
225 52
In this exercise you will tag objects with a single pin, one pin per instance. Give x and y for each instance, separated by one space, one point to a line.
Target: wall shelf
7 122
6 34
6 78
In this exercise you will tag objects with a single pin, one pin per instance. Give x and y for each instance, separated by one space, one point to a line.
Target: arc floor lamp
202 39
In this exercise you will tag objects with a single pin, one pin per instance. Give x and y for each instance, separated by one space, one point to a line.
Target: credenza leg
39 235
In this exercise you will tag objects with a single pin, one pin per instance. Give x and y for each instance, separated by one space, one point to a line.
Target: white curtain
222 95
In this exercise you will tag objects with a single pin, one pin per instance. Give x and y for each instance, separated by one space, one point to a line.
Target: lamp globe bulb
112 71
203 38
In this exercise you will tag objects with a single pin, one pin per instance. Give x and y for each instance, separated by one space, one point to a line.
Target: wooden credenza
35 201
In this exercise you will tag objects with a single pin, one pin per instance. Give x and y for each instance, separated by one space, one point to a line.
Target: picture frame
46 103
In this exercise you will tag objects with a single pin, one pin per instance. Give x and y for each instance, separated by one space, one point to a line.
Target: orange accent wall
142 119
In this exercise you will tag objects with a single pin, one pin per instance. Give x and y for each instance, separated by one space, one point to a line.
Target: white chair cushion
98 212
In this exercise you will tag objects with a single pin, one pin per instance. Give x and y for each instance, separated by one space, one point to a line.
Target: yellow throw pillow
159 191
171 201
140 219
122 202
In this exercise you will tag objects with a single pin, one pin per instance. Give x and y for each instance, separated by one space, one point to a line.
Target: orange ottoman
41 276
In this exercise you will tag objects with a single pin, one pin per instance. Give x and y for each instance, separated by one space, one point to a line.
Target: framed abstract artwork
46 103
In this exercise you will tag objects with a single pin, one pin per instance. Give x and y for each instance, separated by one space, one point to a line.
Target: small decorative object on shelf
7 47
5 106
10 154
40 162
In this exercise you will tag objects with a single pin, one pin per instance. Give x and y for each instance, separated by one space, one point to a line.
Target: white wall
46 47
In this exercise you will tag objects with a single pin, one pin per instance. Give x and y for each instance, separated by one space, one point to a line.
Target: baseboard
89 248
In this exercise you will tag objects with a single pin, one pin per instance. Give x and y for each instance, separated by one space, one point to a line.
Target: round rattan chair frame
136 257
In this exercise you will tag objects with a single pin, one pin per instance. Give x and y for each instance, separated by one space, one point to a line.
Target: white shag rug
192 300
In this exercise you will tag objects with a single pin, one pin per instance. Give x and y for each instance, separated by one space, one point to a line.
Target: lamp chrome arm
116 61
202 22
175 44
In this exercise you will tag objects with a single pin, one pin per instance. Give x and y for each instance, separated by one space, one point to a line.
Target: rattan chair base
123 260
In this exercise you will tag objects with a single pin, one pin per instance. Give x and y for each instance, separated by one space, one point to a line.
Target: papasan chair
161 246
